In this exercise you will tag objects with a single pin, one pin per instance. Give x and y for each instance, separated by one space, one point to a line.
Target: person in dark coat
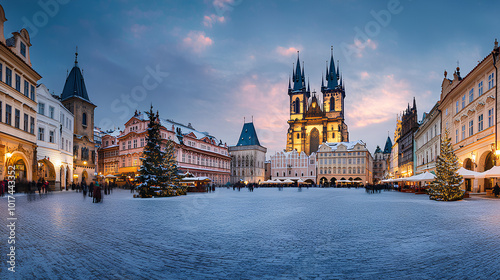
496 190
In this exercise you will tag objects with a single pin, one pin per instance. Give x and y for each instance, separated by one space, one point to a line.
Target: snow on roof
349 145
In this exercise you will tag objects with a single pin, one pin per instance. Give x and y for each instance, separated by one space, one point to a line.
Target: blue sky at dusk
219 61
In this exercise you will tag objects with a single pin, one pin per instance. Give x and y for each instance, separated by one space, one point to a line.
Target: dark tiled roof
248 136
388 146
75 85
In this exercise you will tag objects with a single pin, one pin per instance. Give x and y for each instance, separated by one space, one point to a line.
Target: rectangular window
18 83
490 117
17 118
480 123
62 143
1 107
41 134
51 112
456 136
471 95
41 108
123 145
32 125
26 89
8 114
25 126
463 101
471 128
23 49
463 132
491 81
32 92
142 142
446 112
129 144
135 143
8 76
480 88
456 108
1 72
123 161
51 136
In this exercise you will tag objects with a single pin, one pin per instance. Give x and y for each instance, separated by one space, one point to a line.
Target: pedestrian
496 190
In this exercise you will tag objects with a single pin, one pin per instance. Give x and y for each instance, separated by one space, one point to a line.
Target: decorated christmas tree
446 187
158 171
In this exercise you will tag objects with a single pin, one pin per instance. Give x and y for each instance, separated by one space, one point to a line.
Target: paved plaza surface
265 234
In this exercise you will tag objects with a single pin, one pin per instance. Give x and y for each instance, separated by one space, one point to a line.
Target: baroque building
197 153
248 157
17 105
344 161
76 99
469 112
394 157
427 141
54 140
312 121
294 166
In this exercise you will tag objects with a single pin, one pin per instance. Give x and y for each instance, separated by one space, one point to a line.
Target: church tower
314 121
298 94
333 98
75 98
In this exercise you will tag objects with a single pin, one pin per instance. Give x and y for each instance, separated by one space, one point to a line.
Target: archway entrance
488 164
323 181
314 141
333 181
20 167
468 182
47 172
85 176
62 176
67 177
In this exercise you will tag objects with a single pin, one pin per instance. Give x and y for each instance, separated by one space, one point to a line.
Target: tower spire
298 82
289 83
332 76
76 56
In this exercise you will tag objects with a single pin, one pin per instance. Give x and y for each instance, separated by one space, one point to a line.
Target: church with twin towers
316 119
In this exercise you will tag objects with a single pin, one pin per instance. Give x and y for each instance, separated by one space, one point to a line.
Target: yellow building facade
469 113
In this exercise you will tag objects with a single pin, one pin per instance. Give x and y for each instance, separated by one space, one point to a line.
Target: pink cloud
197 41
286 52
210 20
360 47
377 102
267 101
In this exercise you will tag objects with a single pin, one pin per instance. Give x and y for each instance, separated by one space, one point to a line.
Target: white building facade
344 161
55 140
427 140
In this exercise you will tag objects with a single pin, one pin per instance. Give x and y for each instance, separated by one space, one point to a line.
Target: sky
216 63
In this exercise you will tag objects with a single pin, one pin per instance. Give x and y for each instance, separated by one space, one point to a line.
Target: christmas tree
158 171
446 187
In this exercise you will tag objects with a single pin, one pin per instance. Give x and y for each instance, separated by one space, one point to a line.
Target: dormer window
23 49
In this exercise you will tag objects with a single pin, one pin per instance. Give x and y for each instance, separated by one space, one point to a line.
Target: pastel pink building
198 153
294 166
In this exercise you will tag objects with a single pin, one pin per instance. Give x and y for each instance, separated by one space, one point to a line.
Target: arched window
293 107
297 106
84 119
332 103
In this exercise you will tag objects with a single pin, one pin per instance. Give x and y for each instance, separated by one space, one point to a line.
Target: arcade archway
47 172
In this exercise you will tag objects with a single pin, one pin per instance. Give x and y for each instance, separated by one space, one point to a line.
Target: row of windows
341 154
343 170
460 104
17 118
208 161
343 161
29 89
470 128
131 144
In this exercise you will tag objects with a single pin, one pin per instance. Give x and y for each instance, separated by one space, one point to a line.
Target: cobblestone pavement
265 234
